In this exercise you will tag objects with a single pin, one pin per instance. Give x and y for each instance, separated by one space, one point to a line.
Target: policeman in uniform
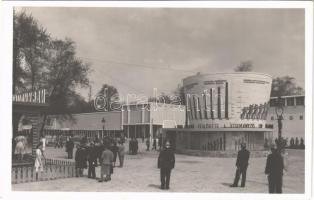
241 164
166 161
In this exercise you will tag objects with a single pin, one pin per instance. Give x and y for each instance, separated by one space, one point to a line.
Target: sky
138 49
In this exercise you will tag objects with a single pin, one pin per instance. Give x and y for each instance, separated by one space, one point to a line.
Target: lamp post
279 112
103 121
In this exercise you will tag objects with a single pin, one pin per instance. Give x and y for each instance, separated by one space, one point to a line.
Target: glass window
272 102
290 101
291 117
300 101
272 118
301 117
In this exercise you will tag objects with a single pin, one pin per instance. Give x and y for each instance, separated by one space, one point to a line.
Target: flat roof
219 129
228 73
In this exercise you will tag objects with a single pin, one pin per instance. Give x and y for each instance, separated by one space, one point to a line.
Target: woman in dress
39 159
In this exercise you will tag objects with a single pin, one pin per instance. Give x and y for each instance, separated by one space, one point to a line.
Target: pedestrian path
191 174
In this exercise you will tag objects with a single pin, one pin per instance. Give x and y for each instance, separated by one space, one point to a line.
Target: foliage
245 66
285 86
30 41
111 97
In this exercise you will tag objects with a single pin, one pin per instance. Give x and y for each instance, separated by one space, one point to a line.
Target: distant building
134 120
224 110
293 116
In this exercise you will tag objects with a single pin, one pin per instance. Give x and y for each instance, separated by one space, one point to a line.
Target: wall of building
87 121
227 99
293 117
215 140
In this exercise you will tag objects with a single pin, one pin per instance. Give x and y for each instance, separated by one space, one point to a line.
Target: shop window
301 117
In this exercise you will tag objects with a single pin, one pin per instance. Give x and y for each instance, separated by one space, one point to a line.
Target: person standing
241 164
160 142
121 153
92 160
106 164
274 171
80 160
154 144
114 150
166 161
39 166
147 144
69 148
135 146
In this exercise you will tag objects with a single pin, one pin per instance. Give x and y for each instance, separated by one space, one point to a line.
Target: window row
290 117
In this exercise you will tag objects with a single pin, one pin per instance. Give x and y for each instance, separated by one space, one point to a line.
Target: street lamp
103 121
279 108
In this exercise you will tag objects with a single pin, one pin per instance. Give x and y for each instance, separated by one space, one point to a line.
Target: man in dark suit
166 161
69 148
92 160
274 170
241 164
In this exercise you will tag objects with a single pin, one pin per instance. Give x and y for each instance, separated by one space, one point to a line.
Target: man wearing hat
274 171
241 164
166 162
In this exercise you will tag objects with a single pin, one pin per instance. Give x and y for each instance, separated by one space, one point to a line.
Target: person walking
147 144
166 161
106 164
121 152
92 160
241 164
69 148
274 171
39 166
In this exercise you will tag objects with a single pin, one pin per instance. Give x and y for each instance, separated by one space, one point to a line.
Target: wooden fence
53 169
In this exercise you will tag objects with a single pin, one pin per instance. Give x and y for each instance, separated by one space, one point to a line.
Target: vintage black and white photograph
158 99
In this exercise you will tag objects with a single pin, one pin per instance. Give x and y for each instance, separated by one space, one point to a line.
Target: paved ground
191 174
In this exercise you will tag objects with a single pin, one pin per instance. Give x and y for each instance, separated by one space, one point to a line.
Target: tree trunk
41 131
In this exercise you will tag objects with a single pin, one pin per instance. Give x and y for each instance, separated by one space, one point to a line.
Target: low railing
38 96
53 169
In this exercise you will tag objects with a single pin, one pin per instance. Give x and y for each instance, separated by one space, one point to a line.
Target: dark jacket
69 146
274 165
166 159
81 158
107 157
92 154
243 158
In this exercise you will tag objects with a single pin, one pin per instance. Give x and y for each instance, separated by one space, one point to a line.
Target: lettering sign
255 81
208 126
214 82
242 125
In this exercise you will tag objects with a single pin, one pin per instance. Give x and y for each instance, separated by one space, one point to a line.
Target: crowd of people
104 153
95 153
